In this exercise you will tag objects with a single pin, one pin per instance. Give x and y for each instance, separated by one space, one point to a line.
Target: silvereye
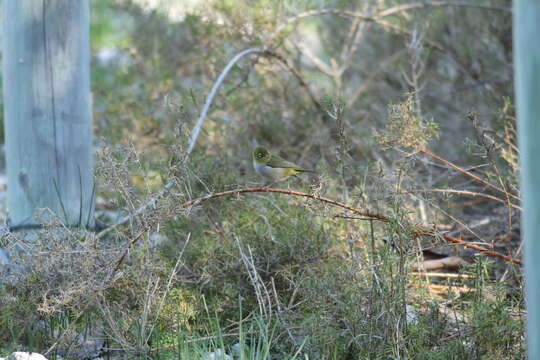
274 167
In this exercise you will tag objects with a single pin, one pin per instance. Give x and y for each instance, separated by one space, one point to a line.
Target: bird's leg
289 181
295 177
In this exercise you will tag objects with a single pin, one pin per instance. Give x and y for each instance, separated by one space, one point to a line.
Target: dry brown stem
298 77
422 4
470 193
469 174
377 18
365 213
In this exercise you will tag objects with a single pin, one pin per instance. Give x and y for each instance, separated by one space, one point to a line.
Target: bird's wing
279 162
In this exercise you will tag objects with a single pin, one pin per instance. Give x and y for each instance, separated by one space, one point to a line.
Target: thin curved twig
377 17
422 4
265 52
366 213
199 200
468 173
470 193
316 12
151 202
198 125
298 77
482 249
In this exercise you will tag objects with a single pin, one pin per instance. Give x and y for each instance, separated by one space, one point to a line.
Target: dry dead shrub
59 267
406 127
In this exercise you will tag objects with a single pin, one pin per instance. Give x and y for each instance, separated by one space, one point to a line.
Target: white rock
235 348
411 314
20 355
4 258
157 239
217 355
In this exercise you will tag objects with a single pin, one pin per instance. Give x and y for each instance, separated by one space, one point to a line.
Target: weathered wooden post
527 83
47 110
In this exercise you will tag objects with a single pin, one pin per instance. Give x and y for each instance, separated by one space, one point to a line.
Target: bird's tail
307 170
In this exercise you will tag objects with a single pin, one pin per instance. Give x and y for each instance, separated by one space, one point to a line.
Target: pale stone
217 355
20 355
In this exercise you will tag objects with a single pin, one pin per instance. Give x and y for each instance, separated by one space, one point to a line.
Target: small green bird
274 167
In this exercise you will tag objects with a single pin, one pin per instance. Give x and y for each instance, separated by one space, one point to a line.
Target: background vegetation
383 98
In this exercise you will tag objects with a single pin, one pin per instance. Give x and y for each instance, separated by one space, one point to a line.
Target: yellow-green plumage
273 167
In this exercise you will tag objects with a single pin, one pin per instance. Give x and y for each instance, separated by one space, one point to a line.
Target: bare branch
319 63
419 230
377 18
198 125
463 171
151 202
422 4
373 74
293 19
482 250
213 91
298 77
471 193
199 200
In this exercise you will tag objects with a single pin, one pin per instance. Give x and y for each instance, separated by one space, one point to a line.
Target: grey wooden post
46 85
527 84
